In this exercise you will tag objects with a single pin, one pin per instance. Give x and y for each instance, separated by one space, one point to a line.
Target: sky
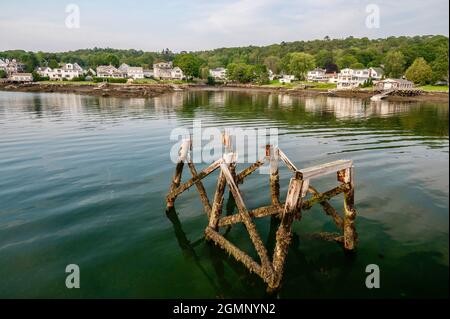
192 25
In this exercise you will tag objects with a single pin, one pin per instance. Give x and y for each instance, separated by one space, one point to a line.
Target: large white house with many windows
132 72
166 71
11 66
110 71
350 78
67 71
317 75
218 74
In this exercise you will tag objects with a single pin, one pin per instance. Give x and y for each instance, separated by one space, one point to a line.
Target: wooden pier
296 201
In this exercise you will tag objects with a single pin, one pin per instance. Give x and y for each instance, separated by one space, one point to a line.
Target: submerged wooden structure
269 269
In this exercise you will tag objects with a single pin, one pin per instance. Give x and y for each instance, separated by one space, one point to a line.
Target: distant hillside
348 52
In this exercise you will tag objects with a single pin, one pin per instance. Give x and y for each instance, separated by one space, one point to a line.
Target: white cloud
206 24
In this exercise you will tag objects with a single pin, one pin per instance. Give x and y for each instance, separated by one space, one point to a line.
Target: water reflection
88 175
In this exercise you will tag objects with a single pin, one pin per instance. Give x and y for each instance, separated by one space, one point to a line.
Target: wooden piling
176 180
350 235
283 235
272 153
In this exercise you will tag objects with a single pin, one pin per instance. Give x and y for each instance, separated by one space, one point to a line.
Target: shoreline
153 90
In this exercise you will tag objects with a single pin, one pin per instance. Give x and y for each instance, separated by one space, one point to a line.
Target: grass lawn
309 85
276 83
434 88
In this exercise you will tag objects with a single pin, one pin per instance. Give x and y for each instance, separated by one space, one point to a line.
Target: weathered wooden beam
205 172
287 161
238 254
251 228
322 199
283 236
255 213
240 177
350 235
324 169
217 205
325 196
274 174
201 189
176 180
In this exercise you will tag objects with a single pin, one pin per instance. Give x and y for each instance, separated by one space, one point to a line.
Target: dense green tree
189 63
273 63
204 72
346 61
394 64
53 64
324 57
2 74
300 63
440 66
240 72
357 65
419 72
261 74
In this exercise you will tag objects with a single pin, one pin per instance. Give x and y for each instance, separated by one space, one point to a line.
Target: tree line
424 59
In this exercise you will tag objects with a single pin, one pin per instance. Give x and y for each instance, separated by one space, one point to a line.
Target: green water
83 181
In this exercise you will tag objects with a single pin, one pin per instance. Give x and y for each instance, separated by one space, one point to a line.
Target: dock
270 269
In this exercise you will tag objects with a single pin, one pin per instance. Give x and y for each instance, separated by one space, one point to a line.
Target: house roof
379 70
135 68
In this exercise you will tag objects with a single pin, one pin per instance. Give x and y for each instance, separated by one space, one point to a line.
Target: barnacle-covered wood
176 180
238 254
240 177
274 176
201 189
283 235
350 235
216 209
255 213
323 198
173 193
251 228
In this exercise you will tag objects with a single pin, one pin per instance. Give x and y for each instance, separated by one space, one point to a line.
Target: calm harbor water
83 181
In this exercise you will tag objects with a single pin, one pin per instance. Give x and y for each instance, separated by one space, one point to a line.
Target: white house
11 66
21 77
396 84
177 73
166 71
218 74
286 78
317 75
67 71
148 73
135 72
132 72
332 77
3 64
110 71
350 79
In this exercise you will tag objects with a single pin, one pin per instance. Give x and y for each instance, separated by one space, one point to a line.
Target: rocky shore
103 89
152 90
